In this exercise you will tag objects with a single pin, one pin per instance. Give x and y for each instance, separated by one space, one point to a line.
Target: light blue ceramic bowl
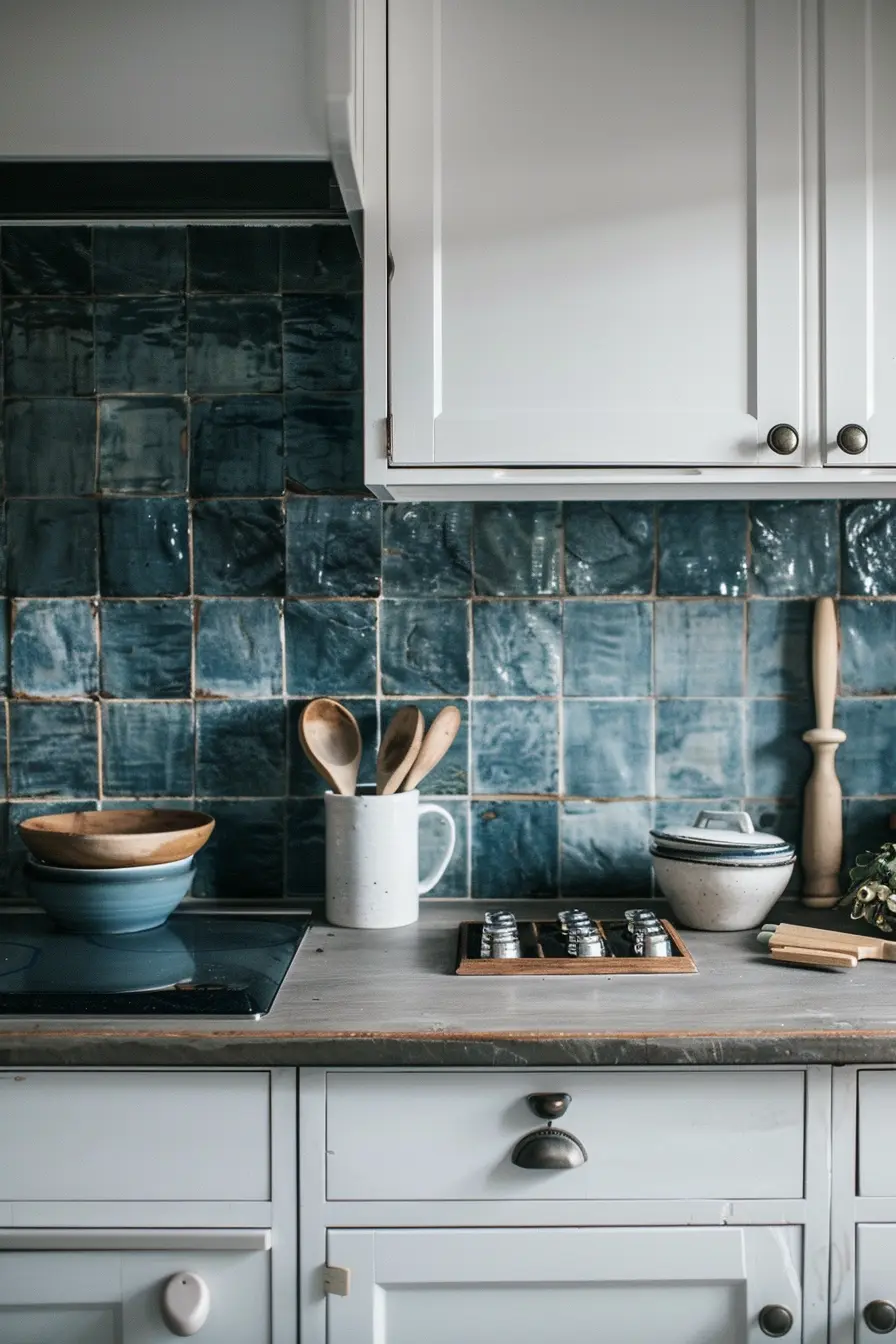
110 900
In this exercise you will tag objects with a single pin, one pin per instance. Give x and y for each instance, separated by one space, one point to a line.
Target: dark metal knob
852 439
549 1105
783 439
775 1320
880 1317
549 1150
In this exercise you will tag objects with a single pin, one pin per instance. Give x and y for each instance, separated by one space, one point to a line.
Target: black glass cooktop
223 964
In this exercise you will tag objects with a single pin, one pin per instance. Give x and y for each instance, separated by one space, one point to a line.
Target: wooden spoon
331 739
439 736
398 749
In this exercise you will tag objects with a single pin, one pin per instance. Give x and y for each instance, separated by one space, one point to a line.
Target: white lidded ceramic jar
720 874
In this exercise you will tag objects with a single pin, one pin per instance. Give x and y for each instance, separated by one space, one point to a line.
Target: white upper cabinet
595 222
859 50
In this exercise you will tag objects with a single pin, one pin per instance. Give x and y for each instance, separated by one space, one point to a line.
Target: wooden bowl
115 839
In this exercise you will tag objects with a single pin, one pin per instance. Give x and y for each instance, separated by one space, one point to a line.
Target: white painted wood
448 1136
859 204
702 1284
843 1205
876 1108
284 1197
135 1136
875 1273
132 1239
115 1298
210 1213
160 79
595 220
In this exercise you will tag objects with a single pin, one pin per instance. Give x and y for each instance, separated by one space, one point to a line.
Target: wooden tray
537 935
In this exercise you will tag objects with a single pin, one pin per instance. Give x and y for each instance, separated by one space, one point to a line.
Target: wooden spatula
821 947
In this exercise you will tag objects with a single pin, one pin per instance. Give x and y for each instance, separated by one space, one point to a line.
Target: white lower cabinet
117 1297
875 1280
682 1285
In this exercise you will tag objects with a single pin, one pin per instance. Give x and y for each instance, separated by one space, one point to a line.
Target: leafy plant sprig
872 888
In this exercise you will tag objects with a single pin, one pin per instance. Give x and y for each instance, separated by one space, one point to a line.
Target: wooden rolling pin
820 947
823 800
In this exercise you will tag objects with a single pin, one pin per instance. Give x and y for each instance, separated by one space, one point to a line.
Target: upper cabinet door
595 220
859 202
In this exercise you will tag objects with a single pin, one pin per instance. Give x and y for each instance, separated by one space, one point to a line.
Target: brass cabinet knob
775 1320
880 1317
549 1105
852 439
783 439
549 1150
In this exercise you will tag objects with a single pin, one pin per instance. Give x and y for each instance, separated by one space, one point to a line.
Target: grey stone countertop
391 998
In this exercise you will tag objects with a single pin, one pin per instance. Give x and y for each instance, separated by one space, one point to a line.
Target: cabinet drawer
877 1106
650 1135
135 1136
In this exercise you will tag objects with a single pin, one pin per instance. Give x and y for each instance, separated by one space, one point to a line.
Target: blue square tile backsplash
190 555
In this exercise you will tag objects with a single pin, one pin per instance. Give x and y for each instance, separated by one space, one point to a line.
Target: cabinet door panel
594 215
859 45
699 1285
875 1272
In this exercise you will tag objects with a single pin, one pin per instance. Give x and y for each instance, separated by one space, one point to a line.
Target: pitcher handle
429 881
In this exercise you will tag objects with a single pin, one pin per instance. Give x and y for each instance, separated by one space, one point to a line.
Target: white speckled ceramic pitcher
373 858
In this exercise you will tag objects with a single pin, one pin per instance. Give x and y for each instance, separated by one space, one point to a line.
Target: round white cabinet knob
185 1303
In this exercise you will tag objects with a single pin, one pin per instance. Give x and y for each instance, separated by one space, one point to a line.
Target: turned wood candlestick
823 800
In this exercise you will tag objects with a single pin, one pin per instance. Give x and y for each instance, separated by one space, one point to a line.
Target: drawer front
877 1106
650 1135
84 1135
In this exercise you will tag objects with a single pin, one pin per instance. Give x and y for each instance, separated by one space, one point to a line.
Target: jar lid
720 835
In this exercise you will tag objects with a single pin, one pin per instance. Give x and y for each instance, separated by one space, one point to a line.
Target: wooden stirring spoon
331 739
398 749
439 736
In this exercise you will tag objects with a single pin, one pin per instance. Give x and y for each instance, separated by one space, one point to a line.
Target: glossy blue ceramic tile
427 550
515 746
243 860
324 442
330 648
607 648
703 549
48 348
684 812
145 548
238 648
779 648
5 619
320 258
53 546
794 547
424 647
52 750
516 549
322 343
699 748
236 446
603 850
50 446
608 748
610 548
305 855
143 445
241 750
147 749
53 648
868 547
866 826
515 850
778 761
516 648
234 345
234 259
130 259
304 781
147 650
140 345
451 775
866 763
454 883
45 259
777 818
239 548
699 648
333 547
867 644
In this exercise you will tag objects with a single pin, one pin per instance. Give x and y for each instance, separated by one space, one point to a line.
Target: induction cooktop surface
222 963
